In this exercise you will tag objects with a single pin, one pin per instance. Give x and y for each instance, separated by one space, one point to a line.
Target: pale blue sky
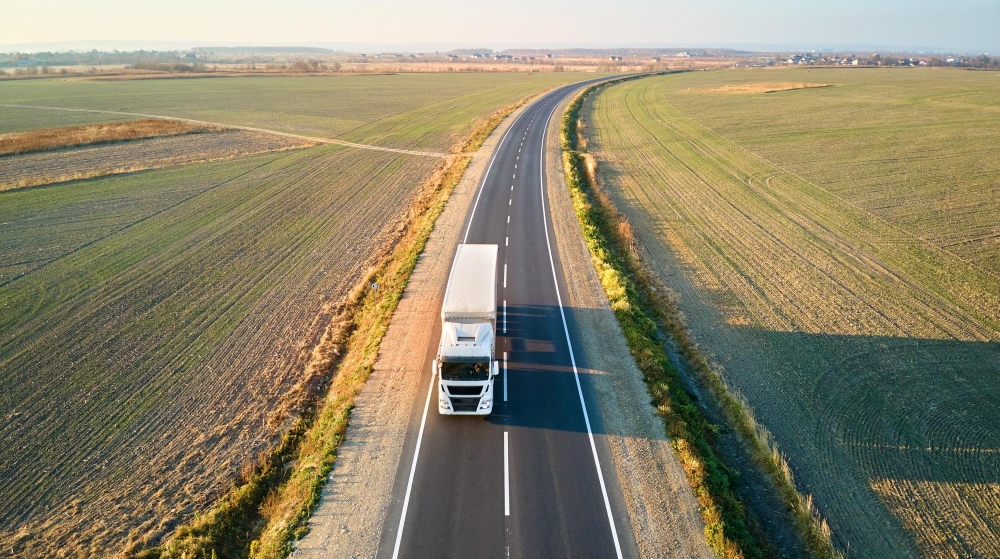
966 25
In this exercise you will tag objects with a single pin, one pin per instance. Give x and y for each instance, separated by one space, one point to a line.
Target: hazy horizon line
413 47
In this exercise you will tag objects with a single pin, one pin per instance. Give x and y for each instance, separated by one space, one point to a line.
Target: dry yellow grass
69 136
86 162
753 88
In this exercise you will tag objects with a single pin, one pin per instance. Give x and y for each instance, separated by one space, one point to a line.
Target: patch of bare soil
47 167
69 136
752 88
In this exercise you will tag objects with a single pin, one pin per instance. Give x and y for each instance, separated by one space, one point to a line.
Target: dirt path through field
248 128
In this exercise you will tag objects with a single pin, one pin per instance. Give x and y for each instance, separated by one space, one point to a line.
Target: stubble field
154 325
836 250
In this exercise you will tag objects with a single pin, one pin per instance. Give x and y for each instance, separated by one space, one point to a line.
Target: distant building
656 59
548 55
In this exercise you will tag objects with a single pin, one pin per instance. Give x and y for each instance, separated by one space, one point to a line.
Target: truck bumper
478 411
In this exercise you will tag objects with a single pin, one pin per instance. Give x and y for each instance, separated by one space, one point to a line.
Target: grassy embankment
644 309
274 505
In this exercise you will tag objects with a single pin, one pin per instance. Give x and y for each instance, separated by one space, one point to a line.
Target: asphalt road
535 478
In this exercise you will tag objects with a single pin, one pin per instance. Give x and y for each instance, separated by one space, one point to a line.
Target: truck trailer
466 361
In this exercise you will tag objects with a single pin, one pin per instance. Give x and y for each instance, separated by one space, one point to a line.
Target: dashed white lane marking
569 344
508 220
506 477
430 388
482 187
505 268
506 241
505 376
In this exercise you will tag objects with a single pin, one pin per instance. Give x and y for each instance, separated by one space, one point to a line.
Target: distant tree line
982 61
92 58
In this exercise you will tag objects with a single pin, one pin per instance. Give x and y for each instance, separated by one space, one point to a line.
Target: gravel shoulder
665 515
348 520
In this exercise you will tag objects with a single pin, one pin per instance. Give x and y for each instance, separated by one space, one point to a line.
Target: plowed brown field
154 325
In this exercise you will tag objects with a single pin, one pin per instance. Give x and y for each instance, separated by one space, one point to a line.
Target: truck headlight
444 402
484 404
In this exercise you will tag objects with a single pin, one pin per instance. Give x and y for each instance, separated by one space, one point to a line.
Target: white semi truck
466 361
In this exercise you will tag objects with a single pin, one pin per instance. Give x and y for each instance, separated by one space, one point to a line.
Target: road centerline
506 476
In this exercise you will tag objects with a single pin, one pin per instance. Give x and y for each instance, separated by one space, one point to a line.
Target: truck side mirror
434 367
496 368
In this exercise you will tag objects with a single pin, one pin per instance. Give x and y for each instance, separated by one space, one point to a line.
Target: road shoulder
665 515
349 519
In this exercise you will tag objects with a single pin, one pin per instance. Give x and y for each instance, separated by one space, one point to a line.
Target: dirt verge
353 507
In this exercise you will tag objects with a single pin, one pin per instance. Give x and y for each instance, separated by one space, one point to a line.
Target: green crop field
836 251
411 111
154 326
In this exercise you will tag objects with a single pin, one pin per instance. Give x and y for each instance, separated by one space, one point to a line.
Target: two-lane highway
535 479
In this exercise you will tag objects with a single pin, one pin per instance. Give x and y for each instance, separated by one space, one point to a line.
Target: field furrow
829 286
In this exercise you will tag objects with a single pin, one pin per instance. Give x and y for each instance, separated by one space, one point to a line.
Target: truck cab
466 362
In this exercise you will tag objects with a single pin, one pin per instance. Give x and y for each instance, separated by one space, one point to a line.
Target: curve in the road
528 480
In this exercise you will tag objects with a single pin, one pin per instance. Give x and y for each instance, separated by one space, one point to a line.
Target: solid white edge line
413 470
430 389
505 376
506 477
572 358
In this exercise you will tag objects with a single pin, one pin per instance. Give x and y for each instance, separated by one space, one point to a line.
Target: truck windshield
465 371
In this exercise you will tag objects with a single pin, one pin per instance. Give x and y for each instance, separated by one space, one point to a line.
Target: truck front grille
464 404
465 390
